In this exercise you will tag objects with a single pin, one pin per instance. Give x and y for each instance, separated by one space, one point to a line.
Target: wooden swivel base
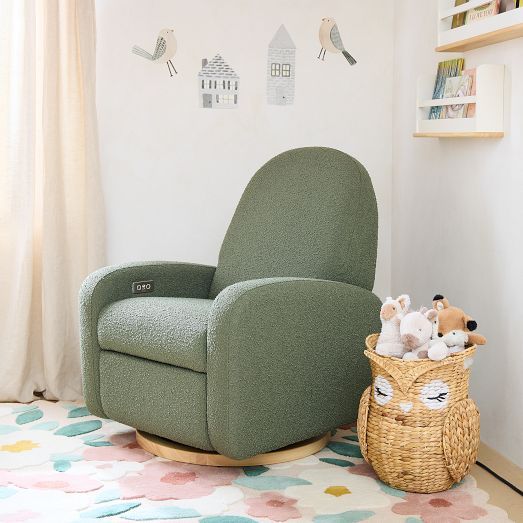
177 452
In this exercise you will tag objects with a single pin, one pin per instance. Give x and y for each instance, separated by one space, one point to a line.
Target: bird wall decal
330 40
164 51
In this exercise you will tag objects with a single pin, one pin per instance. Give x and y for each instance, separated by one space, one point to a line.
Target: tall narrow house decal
218 84
281 60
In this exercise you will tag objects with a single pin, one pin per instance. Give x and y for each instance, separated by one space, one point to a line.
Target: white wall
458 220
173 173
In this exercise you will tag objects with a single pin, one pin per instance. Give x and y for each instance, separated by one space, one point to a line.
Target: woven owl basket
417 426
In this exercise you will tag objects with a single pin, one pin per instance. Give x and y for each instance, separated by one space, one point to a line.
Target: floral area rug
60 464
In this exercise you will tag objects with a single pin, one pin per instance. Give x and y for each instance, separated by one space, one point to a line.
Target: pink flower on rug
55 481
160 480
123 448
451 506
363 469
274 506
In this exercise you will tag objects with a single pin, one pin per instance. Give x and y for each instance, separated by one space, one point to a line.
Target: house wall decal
218 84
281 61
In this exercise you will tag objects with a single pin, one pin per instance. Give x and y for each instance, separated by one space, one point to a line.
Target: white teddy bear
455 340
391 314
437 350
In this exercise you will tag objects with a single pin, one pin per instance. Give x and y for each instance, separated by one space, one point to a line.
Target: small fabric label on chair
140 287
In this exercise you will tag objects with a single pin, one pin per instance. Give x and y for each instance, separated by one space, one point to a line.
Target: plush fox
452 318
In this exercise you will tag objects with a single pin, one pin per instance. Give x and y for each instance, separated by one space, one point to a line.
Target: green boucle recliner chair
262 351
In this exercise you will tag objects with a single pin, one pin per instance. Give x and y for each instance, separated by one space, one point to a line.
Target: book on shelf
445 70
471 108
456 87
482 12
507 5
459 19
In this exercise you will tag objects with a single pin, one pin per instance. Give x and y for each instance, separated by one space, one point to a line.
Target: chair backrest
308 212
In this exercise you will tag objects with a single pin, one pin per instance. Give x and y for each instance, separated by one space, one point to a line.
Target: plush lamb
391 314
416 331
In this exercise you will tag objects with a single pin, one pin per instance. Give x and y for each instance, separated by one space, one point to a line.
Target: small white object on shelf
490 30
488 119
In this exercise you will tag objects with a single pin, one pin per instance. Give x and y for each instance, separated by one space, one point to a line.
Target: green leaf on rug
107 495
98 443
78 412
270 482
92 437
24 408
61 465
82 427
7 429
391 491
111 510
338 462
6 492
352 516
255 470
60 456
351 437
345 449
46 425
29 416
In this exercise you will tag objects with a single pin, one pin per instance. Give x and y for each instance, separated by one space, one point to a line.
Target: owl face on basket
419 403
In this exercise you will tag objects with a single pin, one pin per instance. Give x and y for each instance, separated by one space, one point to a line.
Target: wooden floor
499 494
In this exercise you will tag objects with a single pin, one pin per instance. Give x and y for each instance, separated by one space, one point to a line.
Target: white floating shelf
488 119
448 101
458 135
491 30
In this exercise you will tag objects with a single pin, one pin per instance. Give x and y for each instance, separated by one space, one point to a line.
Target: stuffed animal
455 340
416 331
435 329
391 314
454 319
437 349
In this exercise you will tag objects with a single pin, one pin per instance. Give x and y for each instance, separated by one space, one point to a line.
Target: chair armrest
114 283
285 361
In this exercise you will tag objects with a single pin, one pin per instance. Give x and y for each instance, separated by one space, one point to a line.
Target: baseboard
501 465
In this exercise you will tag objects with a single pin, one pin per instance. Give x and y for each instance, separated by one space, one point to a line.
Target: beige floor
500 495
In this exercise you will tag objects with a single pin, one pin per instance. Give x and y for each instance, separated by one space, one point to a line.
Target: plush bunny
392 311
416 331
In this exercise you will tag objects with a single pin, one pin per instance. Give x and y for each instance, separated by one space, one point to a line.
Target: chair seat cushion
167 330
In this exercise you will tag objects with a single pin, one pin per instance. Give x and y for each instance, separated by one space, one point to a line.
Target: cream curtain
51 210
